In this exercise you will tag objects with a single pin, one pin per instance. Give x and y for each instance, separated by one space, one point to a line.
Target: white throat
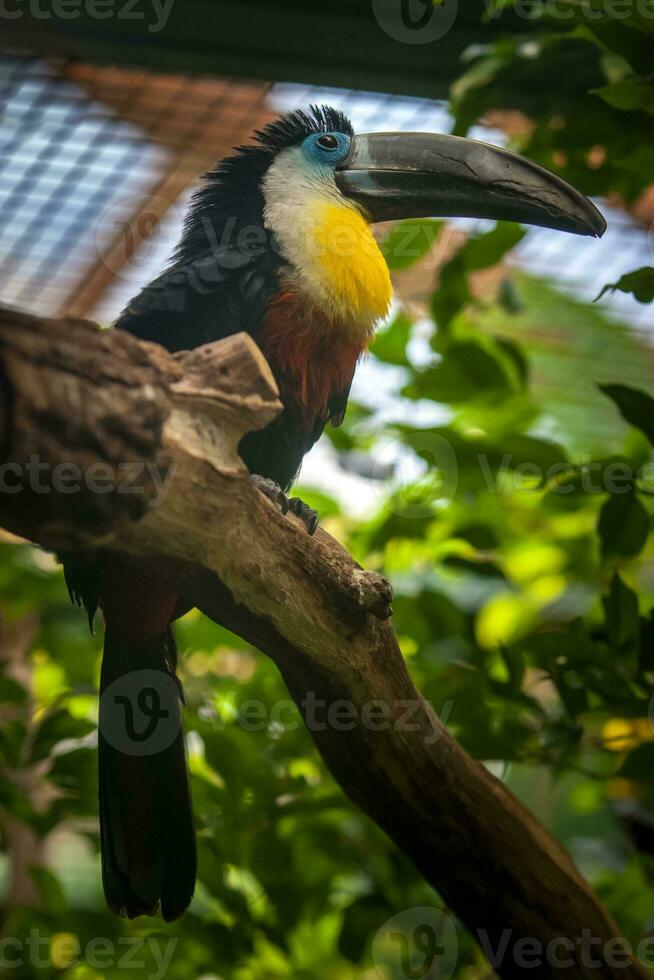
328 245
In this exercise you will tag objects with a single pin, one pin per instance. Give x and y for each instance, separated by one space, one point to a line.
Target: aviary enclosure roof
337 42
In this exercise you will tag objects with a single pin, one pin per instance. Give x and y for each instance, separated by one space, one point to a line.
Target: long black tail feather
146 820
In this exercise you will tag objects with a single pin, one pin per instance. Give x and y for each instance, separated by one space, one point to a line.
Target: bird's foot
307 515
274 492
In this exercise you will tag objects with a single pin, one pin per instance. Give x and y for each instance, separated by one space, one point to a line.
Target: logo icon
131 238
415 21
140 712
419 481
416 944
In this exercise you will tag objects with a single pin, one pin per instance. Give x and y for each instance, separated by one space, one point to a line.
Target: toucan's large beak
419 175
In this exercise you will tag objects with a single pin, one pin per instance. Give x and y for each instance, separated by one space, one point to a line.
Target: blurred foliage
640 283
517 536
590 63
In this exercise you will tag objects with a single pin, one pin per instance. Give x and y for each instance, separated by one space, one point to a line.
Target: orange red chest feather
312 356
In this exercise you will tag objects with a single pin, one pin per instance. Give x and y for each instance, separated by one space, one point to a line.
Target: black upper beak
418 175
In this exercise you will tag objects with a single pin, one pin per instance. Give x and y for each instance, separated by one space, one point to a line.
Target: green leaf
11 691
623 525
12 742
483 71
390 343
487 250
636 407
408 241
467 371
647 642
517 357
325 505
452 293
640 283
50 891
482 252
508 297
639 160
621 614
639 764
518 450
516 665
55 728
629 94
361 920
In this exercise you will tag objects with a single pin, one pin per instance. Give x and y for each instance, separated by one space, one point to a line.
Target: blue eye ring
327 148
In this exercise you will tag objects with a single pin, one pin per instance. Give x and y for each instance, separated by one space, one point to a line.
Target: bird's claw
307 515
274 492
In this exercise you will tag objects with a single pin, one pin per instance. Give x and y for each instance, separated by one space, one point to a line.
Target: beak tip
595 221
599 225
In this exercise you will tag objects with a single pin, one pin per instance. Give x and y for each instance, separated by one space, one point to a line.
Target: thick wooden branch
82 409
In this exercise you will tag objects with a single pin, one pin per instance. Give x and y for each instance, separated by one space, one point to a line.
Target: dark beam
334 43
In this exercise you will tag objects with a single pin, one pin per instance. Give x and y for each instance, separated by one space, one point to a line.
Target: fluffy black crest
291 128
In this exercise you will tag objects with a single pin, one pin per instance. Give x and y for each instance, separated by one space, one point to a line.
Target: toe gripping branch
295 505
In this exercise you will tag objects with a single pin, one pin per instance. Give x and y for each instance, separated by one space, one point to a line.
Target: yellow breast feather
352 271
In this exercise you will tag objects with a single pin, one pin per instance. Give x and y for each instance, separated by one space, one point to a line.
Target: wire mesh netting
97 163
90 160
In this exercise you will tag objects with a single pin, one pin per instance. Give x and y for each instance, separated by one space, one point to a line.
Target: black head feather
231 192
293 127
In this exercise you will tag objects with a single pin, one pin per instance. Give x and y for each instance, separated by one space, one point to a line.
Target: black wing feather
195 303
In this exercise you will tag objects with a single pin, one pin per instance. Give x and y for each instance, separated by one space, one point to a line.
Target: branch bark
82 407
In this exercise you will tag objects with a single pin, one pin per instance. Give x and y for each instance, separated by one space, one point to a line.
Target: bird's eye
327 149
328 142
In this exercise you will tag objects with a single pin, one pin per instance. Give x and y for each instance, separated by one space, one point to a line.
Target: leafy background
524 574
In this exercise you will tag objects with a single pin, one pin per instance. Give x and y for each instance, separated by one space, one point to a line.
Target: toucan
277 242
